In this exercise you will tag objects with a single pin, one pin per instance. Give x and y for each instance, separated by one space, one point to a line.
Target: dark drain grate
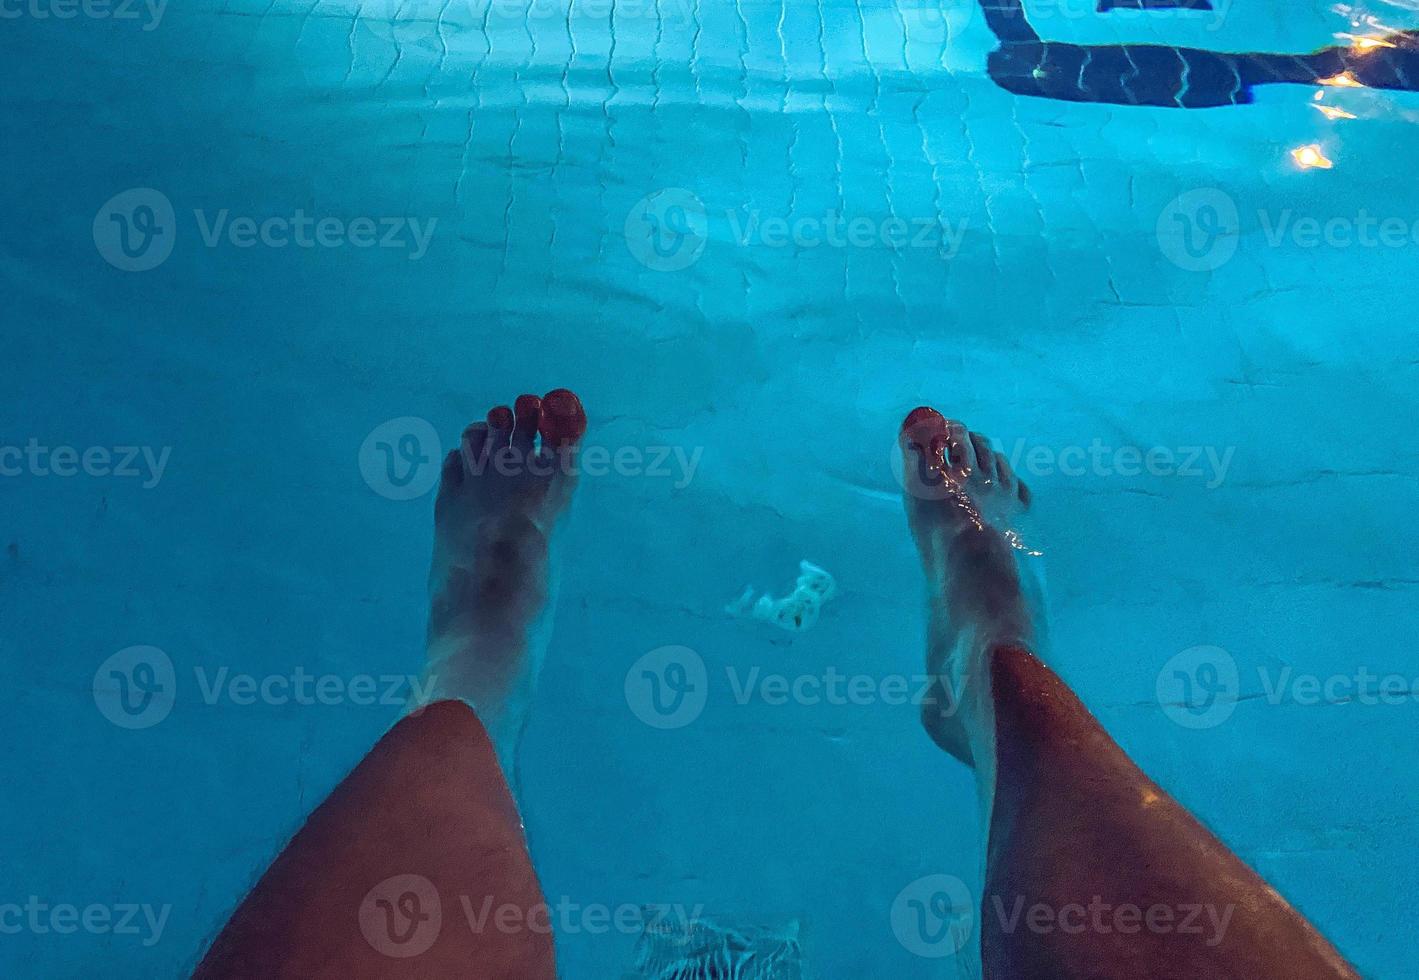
706 949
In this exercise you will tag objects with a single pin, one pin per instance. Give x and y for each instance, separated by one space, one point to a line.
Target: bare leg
393 874
1076 830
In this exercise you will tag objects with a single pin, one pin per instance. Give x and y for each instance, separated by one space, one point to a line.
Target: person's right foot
502 494
965 508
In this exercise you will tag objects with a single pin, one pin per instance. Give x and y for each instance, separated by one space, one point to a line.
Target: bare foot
966 510
502 494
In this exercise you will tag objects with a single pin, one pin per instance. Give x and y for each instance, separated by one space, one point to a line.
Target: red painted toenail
922 414
922 426
527 406
561 402
500 417
563 418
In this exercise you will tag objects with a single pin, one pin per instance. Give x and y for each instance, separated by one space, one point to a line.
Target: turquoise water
655 207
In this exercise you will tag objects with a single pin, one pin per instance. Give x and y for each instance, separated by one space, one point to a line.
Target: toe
527 416
938 444
450 480
1004 473
922 431
960 455
921 427
452 476
920 439
500 424
984 457
474 447
563 420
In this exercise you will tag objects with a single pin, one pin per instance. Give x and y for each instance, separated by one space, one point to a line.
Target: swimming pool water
655 204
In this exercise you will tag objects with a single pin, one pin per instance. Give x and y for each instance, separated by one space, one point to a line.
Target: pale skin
1073 824
1071 820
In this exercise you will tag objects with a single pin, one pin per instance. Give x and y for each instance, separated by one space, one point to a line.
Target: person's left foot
501 495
